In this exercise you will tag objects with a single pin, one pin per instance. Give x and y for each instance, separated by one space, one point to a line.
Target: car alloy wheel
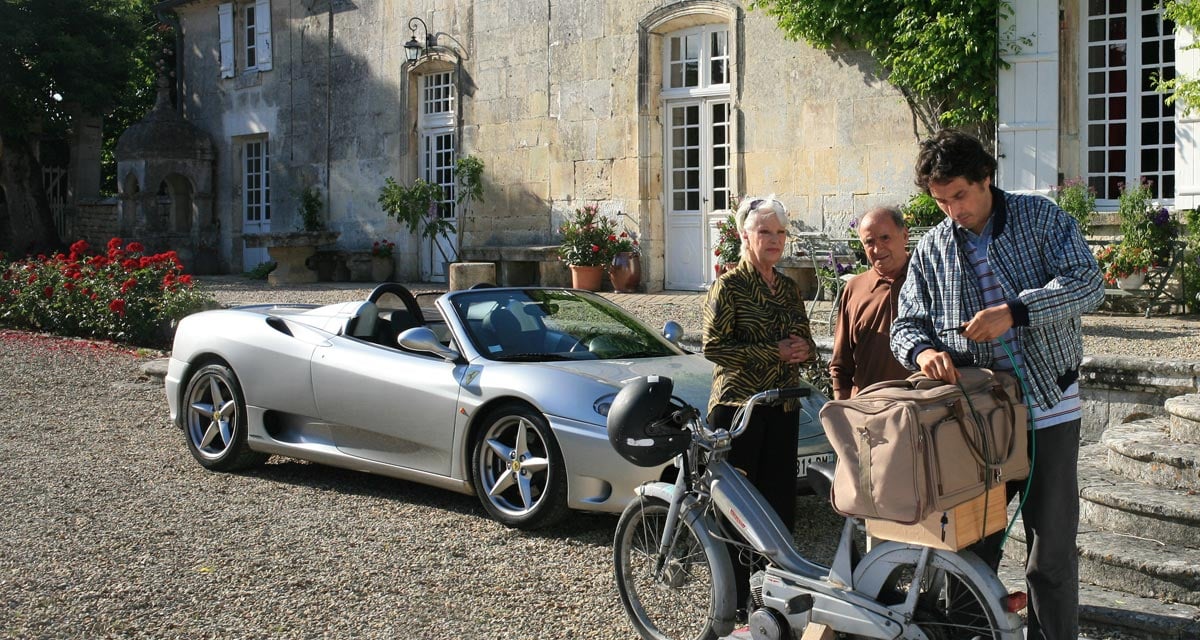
518 469
215 420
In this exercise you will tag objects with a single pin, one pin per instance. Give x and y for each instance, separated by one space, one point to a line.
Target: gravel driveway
111 529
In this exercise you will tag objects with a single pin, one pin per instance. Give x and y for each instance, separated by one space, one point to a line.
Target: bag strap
864 469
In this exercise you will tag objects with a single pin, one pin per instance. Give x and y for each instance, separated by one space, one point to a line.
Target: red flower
185 280
32 278
78 249
69 286
48 292
595 249
115 244
128 284
117 306
135 247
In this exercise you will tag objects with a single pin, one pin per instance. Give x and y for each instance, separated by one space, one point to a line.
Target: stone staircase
1139 529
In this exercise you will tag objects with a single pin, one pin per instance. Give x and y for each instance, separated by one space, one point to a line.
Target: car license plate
806 461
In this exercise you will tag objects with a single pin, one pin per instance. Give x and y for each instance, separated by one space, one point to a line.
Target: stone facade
561 101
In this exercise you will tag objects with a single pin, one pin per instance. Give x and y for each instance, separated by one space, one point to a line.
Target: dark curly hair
951 154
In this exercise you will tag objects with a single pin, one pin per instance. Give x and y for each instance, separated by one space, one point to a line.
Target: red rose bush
122 294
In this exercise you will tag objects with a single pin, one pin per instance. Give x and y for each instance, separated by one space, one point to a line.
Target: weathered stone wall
94 220
558 100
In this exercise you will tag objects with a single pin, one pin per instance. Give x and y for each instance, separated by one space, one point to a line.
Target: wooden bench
522 264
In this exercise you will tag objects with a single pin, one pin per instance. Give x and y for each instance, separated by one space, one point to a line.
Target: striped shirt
1070 407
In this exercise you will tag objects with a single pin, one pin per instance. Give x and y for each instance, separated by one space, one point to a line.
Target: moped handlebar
741 419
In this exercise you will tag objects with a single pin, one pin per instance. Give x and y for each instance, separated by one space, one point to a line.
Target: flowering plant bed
122 295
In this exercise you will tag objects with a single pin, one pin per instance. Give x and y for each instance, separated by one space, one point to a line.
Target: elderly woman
756 331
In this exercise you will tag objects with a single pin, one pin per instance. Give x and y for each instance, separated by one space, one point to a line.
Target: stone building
658 111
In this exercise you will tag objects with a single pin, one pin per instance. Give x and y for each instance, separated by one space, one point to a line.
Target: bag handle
980 456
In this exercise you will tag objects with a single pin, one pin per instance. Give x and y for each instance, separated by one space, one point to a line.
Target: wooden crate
963 527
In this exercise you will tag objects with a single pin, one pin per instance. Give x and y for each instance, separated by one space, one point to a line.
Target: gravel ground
112 529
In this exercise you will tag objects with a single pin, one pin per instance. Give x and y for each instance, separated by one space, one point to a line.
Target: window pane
1149 160
1116 81
1095 83
1096 109
1116 161
1149 133
1116 134
693 201
1095 30
1096 135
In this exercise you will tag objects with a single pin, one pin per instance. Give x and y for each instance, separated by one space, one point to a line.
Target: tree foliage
55 54
1184 91
941 54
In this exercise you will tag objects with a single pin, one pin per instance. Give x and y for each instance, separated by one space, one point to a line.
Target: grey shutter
225 23
262 34
1027 95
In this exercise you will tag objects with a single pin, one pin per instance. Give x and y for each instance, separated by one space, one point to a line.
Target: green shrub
121 295
1078 199
921 210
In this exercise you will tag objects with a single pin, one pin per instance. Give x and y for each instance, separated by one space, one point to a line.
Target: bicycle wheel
685 598
959 598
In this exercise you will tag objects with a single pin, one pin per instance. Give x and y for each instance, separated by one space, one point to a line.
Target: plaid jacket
1046 272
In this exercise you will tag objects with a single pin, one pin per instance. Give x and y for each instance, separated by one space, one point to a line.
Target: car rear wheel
215 420
518 469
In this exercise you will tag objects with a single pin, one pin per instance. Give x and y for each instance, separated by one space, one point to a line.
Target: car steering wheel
400 291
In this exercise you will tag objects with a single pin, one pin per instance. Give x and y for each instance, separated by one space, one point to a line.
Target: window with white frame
696 94
256 181
1129 130
249 40
437 125
244 27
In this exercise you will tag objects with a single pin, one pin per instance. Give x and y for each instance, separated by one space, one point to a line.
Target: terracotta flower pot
587 277
625 272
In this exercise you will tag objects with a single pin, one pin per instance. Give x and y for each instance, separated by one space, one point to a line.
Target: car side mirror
422 339
672 331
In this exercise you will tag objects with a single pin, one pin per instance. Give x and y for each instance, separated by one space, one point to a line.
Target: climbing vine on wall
941 54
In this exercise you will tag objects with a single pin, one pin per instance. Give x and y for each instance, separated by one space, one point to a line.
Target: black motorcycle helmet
641 426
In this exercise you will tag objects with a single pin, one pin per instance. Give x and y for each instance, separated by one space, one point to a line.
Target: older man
861 340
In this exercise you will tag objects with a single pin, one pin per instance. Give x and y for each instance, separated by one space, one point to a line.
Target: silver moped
675 576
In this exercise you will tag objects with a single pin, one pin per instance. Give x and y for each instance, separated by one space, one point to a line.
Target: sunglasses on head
754 203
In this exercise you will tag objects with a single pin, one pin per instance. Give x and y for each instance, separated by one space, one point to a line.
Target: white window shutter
262 34
1027 101
225 23
1187 128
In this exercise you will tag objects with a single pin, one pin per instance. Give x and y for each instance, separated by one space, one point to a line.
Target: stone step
1185 417
1142 450
1112 503
1102 611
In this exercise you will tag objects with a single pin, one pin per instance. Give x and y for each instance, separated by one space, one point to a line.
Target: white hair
759 206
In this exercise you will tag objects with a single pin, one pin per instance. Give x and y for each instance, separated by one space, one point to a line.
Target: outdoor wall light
413 48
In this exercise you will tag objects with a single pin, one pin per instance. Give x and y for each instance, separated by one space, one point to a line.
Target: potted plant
729 245
417 208
381 260
921 212
586 246
1125 264
625 270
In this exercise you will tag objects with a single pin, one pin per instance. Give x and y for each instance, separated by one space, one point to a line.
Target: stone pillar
85 141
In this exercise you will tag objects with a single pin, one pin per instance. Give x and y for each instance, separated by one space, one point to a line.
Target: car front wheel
215 420
518 469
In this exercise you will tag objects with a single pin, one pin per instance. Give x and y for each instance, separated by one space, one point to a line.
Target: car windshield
548 324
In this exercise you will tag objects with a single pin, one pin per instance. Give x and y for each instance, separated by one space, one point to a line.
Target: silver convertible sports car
500 392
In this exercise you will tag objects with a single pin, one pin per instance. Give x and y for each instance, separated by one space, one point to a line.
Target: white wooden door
437 160
256 198
1027 93
697 181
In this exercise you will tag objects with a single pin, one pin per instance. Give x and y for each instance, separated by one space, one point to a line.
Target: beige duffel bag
907 448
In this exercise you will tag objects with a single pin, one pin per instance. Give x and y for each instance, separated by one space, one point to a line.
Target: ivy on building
942 55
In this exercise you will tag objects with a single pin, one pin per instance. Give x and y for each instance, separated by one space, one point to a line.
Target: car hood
691 374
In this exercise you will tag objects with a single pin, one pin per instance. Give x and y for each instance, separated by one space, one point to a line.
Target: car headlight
604 403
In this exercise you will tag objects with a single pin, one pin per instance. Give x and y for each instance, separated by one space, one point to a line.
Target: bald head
885 240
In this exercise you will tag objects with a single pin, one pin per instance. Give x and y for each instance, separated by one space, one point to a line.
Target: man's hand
937 365
989 324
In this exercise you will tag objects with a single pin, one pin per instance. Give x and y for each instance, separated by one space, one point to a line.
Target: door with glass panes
698 150
437 157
